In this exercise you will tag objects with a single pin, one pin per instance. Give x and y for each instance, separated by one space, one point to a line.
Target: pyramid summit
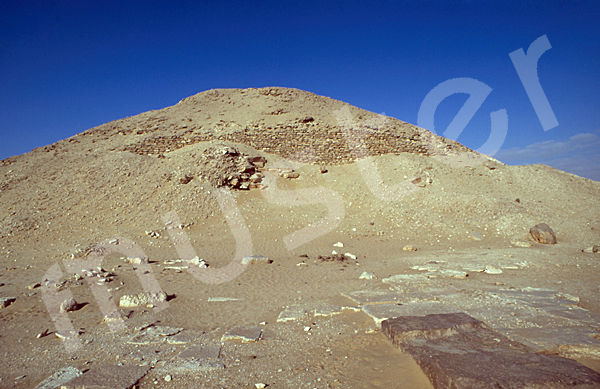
282 121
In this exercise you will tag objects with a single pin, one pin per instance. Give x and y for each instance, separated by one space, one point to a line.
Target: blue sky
67 66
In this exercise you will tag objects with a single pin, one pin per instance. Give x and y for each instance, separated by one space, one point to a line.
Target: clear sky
67 66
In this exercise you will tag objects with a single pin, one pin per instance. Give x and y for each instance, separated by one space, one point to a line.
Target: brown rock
457 351
542 233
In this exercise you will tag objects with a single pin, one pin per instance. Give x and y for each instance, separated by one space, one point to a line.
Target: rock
381 312
186 179
458 351
144 298
338 244
154 334
244 333
351 256
520 244
291 175
592 249
476 236
199 262
203 351
260 385
291 313
491 269
108 377
213 299
152 234
137 260
328 311
60 377
68 305
409 247
542 233
322 169
168 378
185 336
367 275
33 286
255 259
6 301
257 161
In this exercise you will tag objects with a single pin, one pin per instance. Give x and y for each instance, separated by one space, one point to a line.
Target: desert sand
337 199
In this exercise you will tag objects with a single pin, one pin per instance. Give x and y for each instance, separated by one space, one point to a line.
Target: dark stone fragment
457 351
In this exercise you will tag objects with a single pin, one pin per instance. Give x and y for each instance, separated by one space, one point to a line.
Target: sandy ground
454 206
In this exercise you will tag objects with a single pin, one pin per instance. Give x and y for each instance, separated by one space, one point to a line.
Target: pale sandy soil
58 202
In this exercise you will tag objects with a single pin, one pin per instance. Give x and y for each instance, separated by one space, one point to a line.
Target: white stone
338 244
491 269
367 275
135 300
137 260
68 305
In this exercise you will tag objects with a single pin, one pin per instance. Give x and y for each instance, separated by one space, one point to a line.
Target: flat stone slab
185 336
569 341
221 299
243 333
292 313
373 296
60 377
381 312
190 366
328 311
458 351
546 319
201 352
108 377
154 334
